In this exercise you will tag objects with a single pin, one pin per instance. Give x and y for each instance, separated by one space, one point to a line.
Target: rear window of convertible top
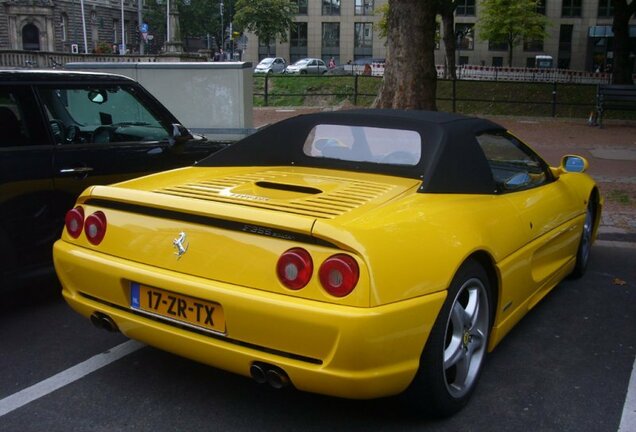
364 144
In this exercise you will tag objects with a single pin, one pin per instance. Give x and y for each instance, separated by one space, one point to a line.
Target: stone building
57 25
579 35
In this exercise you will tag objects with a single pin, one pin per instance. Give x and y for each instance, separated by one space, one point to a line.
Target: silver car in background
271 65
307 66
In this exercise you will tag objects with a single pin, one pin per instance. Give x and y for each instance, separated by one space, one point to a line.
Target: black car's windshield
86 113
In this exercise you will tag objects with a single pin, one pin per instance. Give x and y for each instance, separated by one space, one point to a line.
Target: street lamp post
84 27
222 28
122 47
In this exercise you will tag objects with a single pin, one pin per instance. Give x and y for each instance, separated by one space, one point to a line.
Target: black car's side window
100 115
514 166
15 130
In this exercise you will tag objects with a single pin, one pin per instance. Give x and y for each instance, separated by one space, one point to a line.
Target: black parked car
63 131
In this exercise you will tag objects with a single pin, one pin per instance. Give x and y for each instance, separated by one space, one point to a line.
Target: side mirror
180 134
574 164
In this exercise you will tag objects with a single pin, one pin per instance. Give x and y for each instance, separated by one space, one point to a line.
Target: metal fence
538 98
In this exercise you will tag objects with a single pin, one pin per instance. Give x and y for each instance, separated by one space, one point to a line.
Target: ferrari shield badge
180 244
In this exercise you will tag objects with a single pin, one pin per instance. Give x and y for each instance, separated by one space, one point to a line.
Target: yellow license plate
178 307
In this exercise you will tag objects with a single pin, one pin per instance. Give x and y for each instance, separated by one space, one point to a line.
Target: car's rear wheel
453 357
585 244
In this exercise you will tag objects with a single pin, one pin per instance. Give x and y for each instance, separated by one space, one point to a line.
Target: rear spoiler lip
255 228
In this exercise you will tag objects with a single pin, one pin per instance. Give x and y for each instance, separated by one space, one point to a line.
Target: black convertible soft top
452 160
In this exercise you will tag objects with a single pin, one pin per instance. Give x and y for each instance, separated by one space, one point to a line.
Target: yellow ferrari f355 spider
357 254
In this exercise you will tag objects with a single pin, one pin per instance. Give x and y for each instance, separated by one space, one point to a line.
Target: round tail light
95 227
339 275
294 268
74 221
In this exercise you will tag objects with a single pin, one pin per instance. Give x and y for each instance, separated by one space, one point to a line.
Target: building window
64 27
298 42
363 40
565 45
465 36
115 32
465 8
302 6
126 29
331 7
30 38
266 49
541 7
497 46
331 41
533 45
605 9
571 8
363 7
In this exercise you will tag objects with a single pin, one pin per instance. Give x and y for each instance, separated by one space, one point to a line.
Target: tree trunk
511 47
623 65
448 23
410 77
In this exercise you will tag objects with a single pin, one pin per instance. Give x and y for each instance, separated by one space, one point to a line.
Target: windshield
88 113
266 62
301 62
364 144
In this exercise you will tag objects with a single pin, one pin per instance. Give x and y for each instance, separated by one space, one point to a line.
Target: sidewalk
611 152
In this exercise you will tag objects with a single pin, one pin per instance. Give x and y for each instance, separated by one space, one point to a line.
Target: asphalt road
565 367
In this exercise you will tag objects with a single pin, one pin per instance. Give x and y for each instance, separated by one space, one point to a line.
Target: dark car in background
63 131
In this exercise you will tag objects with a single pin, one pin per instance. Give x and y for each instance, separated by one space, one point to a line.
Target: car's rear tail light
74 221
339 275
294 268
95 227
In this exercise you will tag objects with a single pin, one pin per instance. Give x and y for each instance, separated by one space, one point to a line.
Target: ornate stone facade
57 25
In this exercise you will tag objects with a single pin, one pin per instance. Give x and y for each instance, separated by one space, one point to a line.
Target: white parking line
66 377
628 420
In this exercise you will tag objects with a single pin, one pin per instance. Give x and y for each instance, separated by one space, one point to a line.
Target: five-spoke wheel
455 352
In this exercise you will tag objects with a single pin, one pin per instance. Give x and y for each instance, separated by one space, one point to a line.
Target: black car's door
107 134
27 228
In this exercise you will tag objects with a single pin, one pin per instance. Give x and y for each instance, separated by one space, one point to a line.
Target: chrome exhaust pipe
104 322
273 375
258 373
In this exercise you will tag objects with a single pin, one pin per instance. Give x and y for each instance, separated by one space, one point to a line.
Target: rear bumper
324 348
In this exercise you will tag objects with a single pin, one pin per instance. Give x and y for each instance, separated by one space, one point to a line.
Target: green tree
383 23
623 64
410 77
267 19
200 18
196 18
511 22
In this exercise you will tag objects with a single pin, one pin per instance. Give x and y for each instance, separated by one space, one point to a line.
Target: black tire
585 243
455 352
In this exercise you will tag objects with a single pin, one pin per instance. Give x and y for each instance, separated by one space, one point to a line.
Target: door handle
78 170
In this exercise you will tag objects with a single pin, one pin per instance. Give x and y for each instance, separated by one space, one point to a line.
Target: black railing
466 96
